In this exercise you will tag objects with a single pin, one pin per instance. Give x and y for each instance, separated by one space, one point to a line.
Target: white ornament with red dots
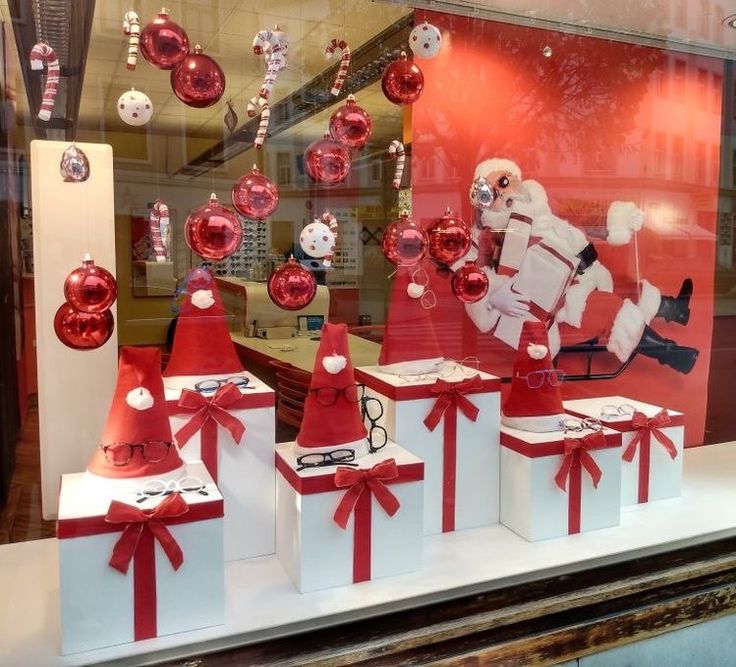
135 107
317 240
425 40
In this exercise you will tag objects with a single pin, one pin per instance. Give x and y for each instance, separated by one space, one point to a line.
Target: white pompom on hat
203 299
139 398
536 351
334 363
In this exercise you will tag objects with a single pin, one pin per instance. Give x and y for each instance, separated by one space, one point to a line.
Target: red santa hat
137 416
202 343
410 344
534 402
332 418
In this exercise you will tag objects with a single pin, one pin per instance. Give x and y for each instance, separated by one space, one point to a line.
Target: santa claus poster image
588 172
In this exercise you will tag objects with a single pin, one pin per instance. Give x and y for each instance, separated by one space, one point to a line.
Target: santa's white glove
623 219
508 302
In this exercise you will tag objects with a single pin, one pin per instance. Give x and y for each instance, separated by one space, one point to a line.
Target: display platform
263 604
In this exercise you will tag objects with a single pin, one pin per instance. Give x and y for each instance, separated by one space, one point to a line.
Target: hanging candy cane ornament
342 71
42 53
261 104
132 27
396 150
159 224
273 44
318 239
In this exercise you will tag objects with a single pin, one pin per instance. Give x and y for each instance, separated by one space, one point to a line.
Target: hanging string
636 259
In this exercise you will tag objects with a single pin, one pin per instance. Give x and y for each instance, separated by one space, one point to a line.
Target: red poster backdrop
598 121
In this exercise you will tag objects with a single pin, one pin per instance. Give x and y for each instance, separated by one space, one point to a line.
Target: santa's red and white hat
410 344
137 416
534 402
202 343
329 425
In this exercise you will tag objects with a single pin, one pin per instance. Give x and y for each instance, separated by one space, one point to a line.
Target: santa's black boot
677 308
666 351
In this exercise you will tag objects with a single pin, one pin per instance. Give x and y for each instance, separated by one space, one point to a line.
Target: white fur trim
361 448
496 164
623 219
536 424
536 351
553 339
415 290
203 299
628 327
538 205
415 367
139 398
599 275
334 363
576 299
649 301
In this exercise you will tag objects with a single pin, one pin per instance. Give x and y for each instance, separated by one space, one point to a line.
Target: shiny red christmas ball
213 231
164 43
327 161
351 125
404 242
199 278
83 331
449 239
90 288
402 81
255 196
291 286
198 80
469 283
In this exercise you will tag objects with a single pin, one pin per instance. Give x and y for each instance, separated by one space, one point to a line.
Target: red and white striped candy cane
396 150
331 221
40 54
342 72
273 44
262 104
132 27
158 218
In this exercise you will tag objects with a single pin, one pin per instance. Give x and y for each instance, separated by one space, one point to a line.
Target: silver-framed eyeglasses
577 425
155 488
611 411
447 368
535 379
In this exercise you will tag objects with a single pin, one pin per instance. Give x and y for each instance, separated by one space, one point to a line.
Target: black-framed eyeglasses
327 396
535 379
343 457
206 386
371 409
121 453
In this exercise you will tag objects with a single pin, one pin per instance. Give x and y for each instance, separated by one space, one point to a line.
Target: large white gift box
653 441
232 431
340 525
132 570
555 484
452 424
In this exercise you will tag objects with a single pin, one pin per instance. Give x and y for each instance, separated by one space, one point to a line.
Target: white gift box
243 471
461 456
652 448
533 504
316 552
101 606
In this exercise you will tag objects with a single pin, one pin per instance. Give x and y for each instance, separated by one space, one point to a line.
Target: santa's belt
587 256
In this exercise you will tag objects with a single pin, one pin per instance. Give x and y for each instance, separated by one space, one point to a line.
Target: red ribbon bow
453 394
576 456
138 521
645 427
358 481
206 409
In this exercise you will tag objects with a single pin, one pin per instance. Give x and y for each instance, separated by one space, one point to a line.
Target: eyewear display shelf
484 595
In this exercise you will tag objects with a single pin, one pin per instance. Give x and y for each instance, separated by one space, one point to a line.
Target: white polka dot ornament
425 40
135 107
319 237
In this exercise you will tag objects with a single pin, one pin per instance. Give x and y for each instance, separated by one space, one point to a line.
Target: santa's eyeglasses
207 386
535 379
121 453
327 396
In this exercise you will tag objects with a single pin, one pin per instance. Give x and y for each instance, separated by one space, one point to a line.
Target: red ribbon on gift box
644 429
451 398
576 458
211 412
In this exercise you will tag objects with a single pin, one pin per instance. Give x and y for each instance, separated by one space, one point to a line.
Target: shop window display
367 293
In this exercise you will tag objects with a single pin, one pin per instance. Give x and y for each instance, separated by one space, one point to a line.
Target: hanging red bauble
90 288
351 125
213 231
291 286
83 331
402 81
164 43
469 283
255 196
198 80
199 278
449 239
404 242
327 161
